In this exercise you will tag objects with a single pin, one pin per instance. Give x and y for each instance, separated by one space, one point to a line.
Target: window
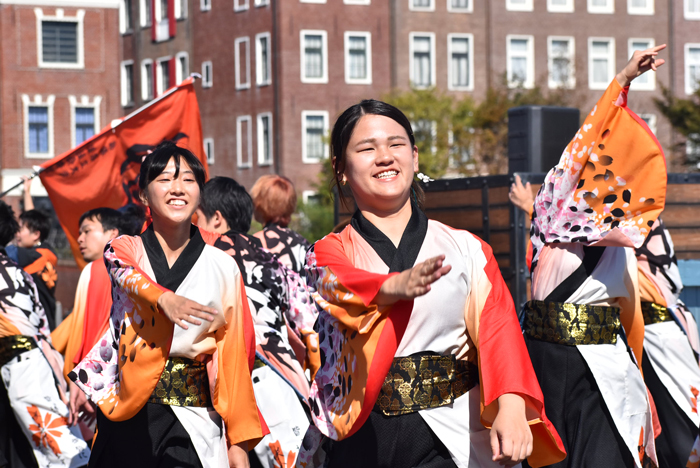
163 75
521 61
263 61
38 129
84 124
358 57
240 5
180 9
207 74
242 62
164 9
460 65
204 5
426 131
127 83
650 120
244 141
460 6
422 59
560 6
314 56
312 1
357 2
147 91
647 81
519 5
314 126
259 3
560 55
640 7
125 24
264 139
311 197
38 126
692 9
209 150
601 6
182 67
601 62
692 148
692 68
421 5
146 15
60 43
161 17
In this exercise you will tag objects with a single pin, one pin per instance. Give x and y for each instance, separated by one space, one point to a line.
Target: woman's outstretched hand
412 283
511 438
641 62
180 310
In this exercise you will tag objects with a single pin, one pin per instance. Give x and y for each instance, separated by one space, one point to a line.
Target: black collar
409 246
172 278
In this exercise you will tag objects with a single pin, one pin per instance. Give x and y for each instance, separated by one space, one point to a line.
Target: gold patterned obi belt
184 382
13 346
655 313
571 324
423 381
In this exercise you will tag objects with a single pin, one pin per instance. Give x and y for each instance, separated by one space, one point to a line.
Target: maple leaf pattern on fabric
44 431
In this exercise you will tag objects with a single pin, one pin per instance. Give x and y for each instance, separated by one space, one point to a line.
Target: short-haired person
275 199
34 429
406 302
37 258
171 377
283 314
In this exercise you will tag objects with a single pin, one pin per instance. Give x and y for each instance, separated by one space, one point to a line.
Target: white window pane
694 54
599 3
421 3
313 55
460 62
518 45
421 44
600 70
600 47
358 57
460 3
558 2
639 3
560 70
421 61
560 48
693 6
640 45
314 137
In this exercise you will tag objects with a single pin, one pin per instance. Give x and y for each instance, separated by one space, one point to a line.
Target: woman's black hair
8 224
155 163
342 132
231 199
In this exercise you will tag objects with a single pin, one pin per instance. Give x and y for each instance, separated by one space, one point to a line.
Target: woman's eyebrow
374 140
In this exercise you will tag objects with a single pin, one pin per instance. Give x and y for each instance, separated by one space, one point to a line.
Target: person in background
283 316
34 429
275 199
133 218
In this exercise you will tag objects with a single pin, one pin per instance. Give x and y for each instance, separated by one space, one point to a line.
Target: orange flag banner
103 171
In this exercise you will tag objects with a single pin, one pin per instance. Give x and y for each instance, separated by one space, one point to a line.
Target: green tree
684 115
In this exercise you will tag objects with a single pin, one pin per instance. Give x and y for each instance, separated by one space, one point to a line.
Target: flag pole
114 124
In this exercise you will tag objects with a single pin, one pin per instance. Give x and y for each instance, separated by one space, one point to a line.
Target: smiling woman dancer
420 342
162 386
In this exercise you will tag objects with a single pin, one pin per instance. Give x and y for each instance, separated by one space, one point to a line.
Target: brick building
277 73
59 80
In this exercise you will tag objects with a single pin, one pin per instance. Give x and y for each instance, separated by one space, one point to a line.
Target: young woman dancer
163 387
423 361
584 327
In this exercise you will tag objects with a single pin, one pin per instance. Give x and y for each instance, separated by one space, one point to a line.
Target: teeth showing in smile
386 175
177 202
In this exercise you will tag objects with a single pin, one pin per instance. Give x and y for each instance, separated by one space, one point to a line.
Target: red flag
103 171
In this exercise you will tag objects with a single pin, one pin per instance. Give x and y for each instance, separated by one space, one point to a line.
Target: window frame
690 88
690 15
452 9
145 5
571 83
653 121
259 81
260 138
606 10
312 1
529 82
209 154
636 85
326 151
160 85
648 10
180 7
126 101
412 7
37 101
204 5
241 5
207 83
240 164
357 2
450 85
145 96
237 62
125 13
261 3
611 62
528 6
323 79
178 72
568 8
60 17
86 104
433 67
368 56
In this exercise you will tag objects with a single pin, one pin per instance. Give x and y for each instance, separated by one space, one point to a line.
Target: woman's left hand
238 456
641 62
511 438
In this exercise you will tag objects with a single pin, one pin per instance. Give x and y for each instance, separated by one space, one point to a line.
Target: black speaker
538 135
